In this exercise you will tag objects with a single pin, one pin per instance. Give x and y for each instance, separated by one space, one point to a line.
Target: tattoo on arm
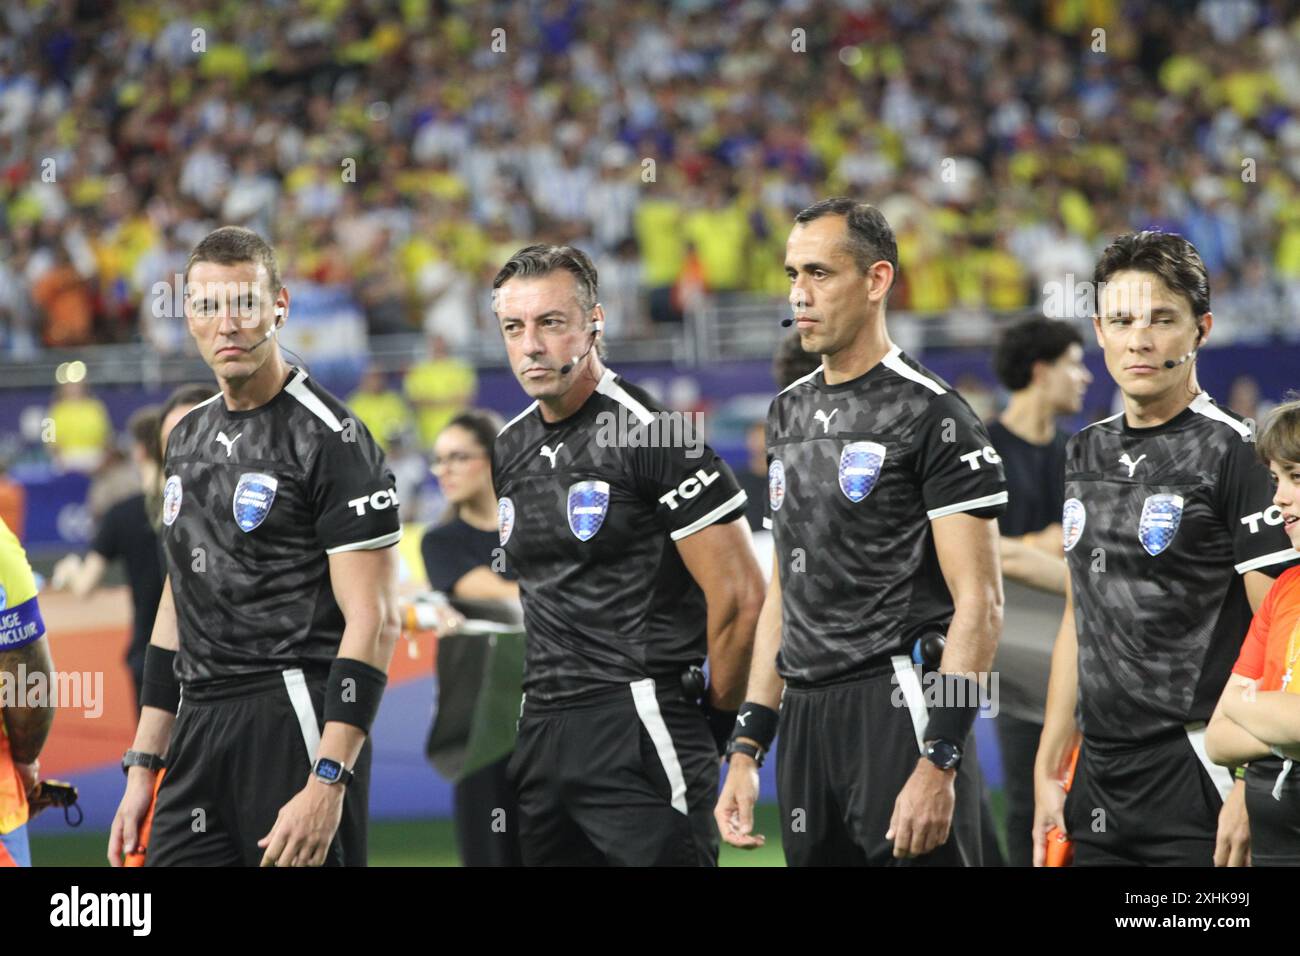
27 727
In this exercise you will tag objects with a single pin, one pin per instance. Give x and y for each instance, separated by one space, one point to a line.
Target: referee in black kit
279 616
634 561
882 486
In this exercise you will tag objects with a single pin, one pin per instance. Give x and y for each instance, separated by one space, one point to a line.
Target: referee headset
1200 334
597 326
279 321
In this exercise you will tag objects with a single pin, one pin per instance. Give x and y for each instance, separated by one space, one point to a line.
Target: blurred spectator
80 428
330 127
438 388
126 533
381 409
66 304
1244 399
753 479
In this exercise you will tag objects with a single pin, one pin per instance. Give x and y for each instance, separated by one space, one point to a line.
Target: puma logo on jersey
550 455
1271 515
380 500
1129 463
689 488
228 442
825 419
972 458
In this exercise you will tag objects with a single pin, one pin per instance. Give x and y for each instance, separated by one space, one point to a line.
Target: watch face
944 754
329 770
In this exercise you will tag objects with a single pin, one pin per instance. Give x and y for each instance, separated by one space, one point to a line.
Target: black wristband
160 688
959 705
756 722
353 691
749 750
720 723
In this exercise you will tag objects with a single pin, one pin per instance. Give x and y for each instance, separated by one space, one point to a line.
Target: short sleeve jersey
253 505
1272 645
857 472
590 509
1159 525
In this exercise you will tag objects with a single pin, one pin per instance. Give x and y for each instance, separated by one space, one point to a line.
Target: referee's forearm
972 639
731 646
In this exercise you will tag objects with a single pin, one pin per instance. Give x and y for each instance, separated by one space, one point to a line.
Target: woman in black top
459 560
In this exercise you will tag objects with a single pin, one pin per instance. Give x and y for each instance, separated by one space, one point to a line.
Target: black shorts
236 757
845 753
1274 821
1151 804
623 777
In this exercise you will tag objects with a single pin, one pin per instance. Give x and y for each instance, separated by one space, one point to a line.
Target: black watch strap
138 758
749 750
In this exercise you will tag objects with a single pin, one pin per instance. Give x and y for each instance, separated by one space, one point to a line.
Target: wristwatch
944 754
331 772
749 750
138 758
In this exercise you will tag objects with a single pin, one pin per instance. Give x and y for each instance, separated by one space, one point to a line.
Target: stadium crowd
405 148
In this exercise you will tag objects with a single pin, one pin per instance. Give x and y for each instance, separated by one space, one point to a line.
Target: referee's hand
1232 840
735 810
1049 811
305 826
923 811
124 834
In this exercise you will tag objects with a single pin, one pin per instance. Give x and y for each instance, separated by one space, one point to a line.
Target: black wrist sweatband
353 692
720 723
160 688
959 705
757 723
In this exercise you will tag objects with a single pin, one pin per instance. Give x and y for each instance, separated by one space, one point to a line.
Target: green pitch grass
401 843
418 843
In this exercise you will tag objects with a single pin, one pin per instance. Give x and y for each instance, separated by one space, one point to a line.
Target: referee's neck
1162 408
859 357
586 376
245 394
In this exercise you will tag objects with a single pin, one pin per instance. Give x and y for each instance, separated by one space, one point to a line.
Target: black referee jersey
254 503
1160 523
857 471
589 514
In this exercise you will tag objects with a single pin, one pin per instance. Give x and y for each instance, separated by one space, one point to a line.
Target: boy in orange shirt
1257 721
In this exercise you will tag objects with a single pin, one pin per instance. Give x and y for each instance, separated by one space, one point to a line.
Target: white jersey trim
607 386
1102 421
383 541
997 499
1277 557
767 522
801 379
298 389
1202 405
736 500
893 361
516 418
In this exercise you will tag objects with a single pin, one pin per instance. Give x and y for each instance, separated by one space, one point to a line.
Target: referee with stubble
279 614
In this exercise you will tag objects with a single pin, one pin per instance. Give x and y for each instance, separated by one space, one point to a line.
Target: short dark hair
541 259
233 244
144 427
791 362
870 238
1165 254
1280 439
191 394
1033 340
